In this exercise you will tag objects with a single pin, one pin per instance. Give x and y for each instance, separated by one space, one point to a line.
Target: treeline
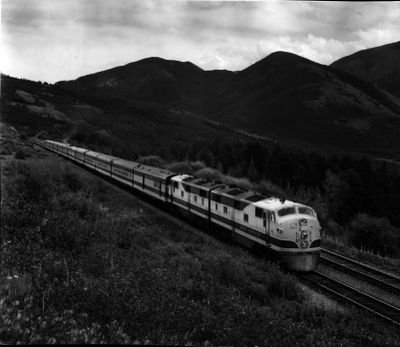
344 189
351 184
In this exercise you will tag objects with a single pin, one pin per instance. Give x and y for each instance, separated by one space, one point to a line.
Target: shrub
376 234
209 174
20 154
152 160
197 165
180 167
72 180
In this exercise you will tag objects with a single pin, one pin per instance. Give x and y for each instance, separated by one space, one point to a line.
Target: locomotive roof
199 182
105 157
154 171
61 144
181 177
231 191
92 153
125 163
79 149
274 204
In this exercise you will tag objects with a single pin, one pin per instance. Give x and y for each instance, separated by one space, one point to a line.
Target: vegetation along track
349 294
378 278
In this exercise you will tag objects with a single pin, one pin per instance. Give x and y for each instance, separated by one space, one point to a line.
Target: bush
375 234
209 174
180 167
152 160
20 154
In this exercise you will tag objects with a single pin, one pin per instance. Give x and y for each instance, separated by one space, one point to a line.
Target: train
284 229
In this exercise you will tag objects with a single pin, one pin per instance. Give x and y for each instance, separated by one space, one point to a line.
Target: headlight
279 230
303 234
303 222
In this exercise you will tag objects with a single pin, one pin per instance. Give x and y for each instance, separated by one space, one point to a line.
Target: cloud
63 39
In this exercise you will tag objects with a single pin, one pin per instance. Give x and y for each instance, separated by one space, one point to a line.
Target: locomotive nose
306 231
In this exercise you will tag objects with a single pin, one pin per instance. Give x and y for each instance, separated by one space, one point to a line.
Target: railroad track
349 294
378 278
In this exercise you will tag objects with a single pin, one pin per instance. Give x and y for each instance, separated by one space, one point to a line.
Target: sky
53 40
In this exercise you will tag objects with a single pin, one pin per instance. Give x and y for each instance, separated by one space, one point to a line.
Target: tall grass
82 262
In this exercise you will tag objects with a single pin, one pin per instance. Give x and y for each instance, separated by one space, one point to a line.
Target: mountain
378 65
153 80
282 97
286 96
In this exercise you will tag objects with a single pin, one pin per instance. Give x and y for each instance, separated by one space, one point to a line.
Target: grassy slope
83 261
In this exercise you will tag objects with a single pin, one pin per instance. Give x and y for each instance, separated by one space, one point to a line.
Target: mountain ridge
377 65
282 96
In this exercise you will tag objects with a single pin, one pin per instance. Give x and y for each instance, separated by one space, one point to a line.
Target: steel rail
353 295
368 273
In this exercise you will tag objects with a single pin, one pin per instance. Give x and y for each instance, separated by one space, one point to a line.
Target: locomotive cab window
306 210
259 212
216 207
195 198
246 217
182 193
225 209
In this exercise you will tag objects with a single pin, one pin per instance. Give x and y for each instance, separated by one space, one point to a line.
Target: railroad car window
182 193
306 210
259 212
202 201
285 211
216 206
225 209
246 217
195 198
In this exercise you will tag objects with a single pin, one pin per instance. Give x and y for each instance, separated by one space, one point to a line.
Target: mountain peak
378 65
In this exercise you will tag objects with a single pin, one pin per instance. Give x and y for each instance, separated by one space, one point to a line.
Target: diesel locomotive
286 229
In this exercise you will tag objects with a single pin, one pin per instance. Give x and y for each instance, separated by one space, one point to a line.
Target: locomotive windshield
306 210
286 210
